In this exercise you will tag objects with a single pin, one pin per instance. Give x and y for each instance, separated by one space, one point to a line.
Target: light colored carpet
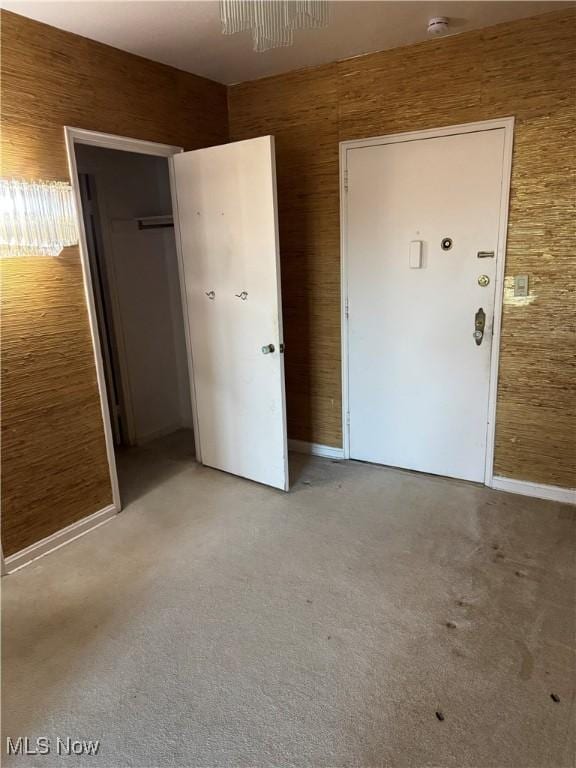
216 622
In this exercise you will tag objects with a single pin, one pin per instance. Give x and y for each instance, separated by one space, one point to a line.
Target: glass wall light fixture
37 218
272 22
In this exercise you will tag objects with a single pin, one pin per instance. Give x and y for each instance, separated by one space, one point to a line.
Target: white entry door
226 199
422 246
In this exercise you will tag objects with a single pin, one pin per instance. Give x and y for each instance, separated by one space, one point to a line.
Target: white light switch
415 258
520 285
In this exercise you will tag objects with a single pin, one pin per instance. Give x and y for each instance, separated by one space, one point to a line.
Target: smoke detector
438 25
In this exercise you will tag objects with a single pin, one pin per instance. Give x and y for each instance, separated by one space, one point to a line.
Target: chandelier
272 22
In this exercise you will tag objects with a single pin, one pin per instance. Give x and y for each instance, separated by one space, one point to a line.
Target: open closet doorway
133 261
181 264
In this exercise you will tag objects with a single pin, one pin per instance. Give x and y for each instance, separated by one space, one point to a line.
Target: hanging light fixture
272 22
36 218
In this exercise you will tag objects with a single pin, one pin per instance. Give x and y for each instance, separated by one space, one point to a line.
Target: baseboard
316 449
141 440
551 492
59 539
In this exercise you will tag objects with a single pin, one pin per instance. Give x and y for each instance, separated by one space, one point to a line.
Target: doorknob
268 349
479 325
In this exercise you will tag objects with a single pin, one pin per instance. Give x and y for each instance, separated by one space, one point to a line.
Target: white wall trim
70 135
316 449
158 433
538 491
507 123
123 143
59 539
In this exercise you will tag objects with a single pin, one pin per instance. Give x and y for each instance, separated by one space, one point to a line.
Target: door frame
111 315
507 123
75 136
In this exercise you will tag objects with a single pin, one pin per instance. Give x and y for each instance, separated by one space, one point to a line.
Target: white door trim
507 123
109 141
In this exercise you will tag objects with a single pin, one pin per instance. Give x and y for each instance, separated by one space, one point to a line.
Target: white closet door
227 212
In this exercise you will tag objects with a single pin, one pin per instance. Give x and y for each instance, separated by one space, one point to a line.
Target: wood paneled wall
53 455
54 467
524 68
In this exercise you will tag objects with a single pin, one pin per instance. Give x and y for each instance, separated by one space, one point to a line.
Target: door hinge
347 418
346 180
346 309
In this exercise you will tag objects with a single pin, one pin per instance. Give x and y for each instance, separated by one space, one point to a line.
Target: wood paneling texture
524 68
54 467
54 462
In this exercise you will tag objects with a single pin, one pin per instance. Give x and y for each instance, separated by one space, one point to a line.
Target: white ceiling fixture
272 22
438 25
188 35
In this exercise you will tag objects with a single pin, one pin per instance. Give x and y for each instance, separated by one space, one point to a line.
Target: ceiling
188 35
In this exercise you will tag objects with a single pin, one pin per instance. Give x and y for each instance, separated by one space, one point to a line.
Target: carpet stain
527 663
203 579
